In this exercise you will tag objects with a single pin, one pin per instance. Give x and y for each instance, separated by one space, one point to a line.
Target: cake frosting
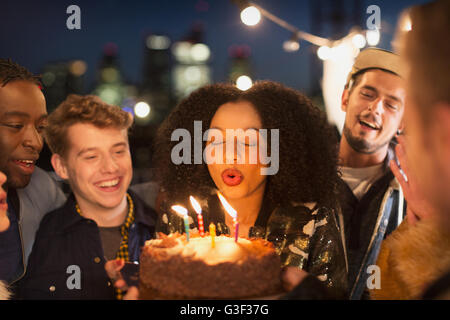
173 268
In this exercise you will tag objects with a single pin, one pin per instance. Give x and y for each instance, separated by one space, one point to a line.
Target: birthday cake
173 268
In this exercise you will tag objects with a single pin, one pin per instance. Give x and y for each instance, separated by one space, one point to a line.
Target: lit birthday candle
230 210
198 209
212 233
182 211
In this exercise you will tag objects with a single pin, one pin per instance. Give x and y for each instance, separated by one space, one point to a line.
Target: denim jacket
380 211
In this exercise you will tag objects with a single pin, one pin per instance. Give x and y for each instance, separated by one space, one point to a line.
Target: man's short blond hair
82 109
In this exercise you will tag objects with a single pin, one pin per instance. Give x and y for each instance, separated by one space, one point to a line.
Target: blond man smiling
102 219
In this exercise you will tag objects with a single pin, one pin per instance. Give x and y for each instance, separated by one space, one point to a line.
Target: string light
244 82
337 55
142 109
324 52
359 40
292 44
373 37
408 25
405 21
251 16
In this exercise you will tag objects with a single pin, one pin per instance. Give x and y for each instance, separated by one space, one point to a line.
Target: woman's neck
247 209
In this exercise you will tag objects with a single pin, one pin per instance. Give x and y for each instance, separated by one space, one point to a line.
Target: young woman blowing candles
272 155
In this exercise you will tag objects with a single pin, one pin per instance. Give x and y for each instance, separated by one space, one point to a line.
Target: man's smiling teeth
110 183
26 162
369 125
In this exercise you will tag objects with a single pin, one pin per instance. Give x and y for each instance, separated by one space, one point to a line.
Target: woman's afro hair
307 144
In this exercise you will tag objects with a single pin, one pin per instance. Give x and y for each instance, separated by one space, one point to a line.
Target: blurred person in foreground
4 225
415 260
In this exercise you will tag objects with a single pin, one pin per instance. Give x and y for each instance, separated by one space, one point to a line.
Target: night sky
34 33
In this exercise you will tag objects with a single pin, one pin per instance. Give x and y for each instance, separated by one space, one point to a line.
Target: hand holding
113 268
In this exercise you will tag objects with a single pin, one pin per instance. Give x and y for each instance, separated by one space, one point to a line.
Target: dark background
34 34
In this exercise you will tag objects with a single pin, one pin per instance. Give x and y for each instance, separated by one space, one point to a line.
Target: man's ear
344 99
59 166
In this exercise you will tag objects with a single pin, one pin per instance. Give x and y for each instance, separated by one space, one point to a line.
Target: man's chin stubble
360 145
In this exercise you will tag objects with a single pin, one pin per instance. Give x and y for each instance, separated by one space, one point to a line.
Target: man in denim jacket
371 203
102 219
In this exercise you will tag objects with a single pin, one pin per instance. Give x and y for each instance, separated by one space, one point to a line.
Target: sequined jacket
304 235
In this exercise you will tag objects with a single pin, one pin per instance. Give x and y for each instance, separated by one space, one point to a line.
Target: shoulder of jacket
41 183
43 191
310 214
52 222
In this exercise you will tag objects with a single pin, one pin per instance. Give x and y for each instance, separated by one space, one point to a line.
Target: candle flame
182 211
195 205
228 208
